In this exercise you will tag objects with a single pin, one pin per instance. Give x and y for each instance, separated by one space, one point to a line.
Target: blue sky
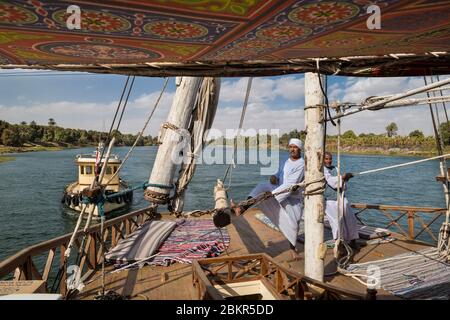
89 101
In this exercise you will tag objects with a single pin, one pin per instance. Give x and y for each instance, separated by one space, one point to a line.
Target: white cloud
264 89
260 116
407 120
291 88
276 103
92 116
356 90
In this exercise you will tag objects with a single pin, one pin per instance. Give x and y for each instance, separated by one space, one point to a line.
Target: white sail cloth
350 223
201 121
284 210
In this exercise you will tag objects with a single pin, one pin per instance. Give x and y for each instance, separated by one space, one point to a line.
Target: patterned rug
415 275
190 240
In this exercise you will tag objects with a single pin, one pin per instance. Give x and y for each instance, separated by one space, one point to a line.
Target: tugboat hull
73 200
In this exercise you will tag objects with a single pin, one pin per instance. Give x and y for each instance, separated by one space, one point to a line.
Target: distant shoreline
374 151
5 150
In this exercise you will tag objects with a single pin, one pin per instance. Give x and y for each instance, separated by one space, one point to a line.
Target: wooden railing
87 248
412 215
282 283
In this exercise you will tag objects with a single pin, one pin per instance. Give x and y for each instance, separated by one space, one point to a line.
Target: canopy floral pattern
169 37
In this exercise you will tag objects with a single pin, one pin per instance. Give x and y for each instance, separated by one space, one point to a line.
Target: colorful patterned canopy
228 37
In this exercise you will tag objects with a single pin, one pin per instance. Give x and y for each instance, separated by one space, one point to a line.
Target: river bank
9 150
351 150
379 151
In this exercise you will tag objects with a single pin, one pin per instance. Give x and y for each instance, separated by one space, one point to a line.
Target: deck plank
247 235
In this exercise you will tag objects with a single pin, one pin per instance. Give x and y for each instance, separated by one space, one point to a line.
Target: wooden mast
314 204
164 167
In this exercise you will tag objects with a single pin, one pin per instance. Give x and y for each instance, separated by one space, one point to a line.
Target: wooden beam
397 208
213 293
92 252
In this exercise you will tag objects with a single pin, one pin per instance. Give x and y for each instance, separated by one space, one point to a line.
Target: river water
31 189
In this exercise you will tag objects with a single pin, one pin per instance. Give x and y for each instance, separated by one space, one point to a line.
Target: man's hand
273 180
347 176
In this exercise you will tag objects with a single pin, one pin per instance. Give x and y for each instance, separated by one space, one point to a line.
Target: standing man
284 210
350 226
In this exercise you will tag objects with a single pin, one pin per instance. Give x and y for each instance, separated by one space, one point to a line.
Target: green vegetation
416 143
33 137
417 134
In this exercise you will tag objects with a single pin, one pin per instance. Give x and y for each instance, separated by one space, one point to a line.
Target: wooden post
164 168
411 225
314 204
92 251
63 265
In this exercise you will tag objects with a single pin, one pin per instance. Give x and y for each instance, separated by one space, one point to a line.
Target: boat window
115 169
81 169
108 170
88 169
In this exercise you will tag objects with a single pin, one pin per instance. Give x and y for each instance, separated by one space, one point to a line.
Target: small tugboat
88 169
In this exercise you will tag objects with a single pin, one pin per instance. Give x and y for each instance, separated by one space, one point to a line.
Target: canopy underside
227 38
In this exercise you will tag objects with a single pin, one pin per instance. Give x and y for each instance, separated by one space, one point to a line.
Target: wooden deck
248 235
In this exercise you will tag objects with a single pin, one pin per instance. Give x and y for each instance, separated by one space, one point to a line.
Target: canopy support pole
314 203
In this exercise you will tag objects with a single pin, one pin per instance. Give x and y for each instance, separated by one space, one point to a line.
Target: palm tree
391 129
51 122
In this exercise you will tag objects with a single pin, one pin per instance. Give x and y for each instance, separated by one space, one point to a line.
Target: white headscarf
296 142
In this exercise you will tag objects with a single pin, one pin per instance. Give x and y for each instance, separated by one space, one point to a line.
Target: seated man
350 227
284 210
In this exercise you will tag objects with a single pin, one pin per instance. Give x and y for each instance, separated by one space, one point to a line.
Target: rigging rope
443 102
117 111
443 244
118 106
126 102
396 97
141 132
241 122
99 204
345 259
403 164
93 184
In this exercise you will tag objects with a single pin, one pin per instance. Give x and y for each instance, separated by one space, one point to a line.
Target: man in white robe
284 210
350 223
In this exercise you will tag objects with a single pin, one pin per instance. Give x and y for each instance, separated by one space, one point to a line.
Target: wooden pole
314 204
164 167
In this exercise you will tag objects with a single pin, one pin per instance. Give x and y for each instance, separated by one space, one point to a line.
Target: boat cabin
86 171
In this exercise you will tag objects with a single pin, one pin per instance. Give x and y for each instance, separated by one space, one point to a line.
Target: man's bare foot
237 210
